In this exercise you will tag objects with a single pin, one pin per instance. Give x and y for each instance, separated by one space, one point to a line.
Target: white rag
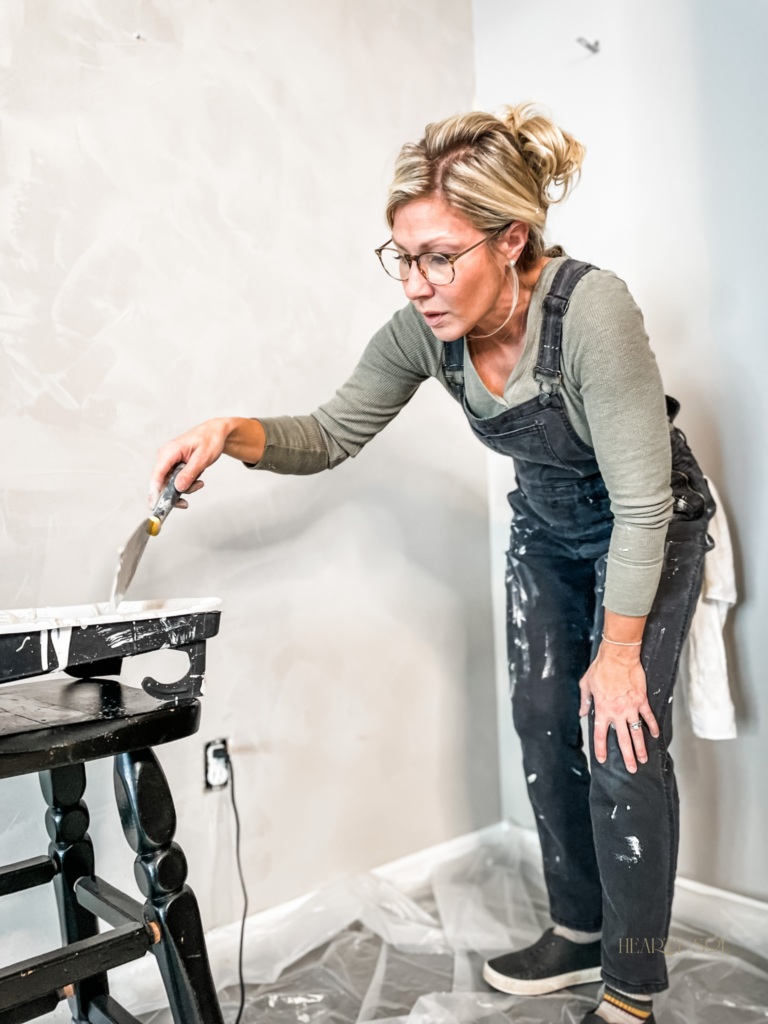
703 666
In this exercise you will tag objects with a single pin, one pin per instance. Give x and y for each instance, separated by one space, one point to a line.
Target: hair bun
553 156
493 170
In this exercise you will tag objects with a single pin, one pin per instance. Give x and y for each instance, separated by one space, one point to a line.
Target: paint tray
86 641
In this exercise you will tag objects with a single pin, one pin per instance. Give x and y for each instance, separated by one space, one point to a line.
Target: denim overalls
609 838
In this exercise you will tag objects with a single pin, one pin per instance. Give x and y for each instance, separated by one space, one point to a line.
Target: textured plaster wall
190 195
671 110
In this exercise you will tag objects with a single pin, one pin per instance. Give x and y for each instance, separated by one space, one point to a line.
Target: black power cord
242 886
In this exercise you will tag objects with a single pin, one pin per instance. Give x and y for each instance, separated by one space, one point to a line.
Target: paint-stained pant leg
550 613
635 818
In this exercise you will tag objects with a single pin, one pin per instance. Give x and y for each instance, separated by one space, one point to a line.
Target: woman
550 362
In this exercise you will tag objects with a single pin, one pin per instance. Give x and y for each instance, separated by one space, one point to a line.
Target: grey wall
672 111
190 195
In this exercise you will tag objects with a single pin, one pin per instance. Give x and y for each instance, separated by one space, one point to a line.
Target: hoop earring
514 285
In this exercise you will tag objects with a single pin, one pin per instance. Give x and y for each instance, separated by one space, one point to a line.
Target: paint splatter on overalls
609 838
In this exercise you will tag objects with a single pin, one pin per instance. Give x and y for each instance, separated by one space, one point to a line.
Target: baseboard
710 911
413 872
722 915
716 913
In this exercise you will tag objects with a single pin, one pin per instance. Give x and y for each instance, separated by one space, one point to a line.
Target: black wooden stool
54 727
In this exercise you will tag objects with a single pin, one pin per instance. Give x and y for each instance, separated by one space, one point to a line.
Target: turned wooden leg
67 822
149 822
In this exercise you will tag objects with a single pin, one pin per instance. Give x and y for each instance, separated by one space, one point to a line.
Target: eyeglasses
435 267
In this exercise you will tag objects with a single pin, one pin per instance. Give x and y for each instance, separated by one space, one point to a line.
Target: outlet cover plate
216 764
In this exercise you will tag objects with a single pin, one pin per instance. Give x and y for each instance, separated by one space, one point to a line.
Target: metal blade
127 564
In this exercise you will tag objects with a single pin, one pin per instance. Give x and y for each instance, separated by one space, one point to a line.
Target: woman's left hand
615 681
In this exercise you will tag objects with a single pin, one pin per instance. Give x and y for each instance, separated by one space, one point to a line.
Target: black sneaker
550 964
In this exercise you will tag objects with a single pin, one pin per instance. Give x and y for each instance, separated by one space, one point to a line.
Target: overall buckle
549 383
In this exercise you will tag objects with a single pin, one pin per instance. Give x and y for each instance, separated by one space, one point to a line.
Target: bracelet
638 643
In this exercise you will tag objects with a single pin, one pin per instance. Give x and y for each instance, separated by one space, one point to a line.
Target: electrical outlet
216 764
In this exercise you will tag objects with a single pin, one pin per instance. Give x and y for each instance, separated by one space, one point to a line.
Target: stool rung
30 1010
104 1010
26 874
41 975
107 902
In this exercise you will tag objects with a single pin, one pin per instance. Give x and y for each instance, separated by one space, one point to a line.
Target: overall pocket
528 444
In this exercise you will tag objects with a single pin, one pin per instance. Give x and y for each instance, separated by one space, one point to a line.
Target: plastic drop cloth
363 951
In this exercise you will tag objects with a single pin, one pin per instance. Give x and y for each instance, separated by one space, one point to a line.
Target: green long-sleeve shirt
612 393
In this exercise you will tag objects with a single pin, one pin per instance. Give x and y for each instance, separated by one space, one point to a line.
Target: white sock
581 938
643 999
628 1013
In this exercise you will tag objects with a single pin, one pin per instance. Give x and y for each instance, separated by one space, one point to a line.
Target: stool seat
50 723
52 726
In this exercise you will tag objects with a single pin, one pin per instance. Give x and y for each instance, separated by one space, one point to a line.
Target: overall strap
547 371
453 367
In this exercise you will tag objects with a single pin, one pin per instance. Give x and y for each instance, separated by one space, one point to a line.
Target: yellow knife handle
165 502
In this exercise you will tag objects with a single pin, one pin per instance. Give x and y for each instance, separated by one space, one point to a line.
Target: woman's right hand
200 447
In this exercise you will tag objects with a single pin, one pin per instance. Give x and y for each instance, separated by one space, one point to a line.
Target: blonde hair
492 169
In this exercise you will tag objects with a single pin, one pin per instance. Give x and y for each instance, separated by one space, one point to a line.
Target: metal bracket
549 383
191 685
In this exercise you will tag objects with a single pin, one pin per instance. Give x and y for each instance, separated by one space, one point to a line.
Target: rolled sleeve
295 446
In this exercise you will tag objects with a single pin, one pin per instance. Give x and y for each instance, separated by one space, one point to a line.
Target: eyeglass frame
451 257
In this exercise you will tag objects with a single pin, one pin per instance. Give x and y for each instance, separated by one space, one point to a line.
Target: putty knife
130 556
